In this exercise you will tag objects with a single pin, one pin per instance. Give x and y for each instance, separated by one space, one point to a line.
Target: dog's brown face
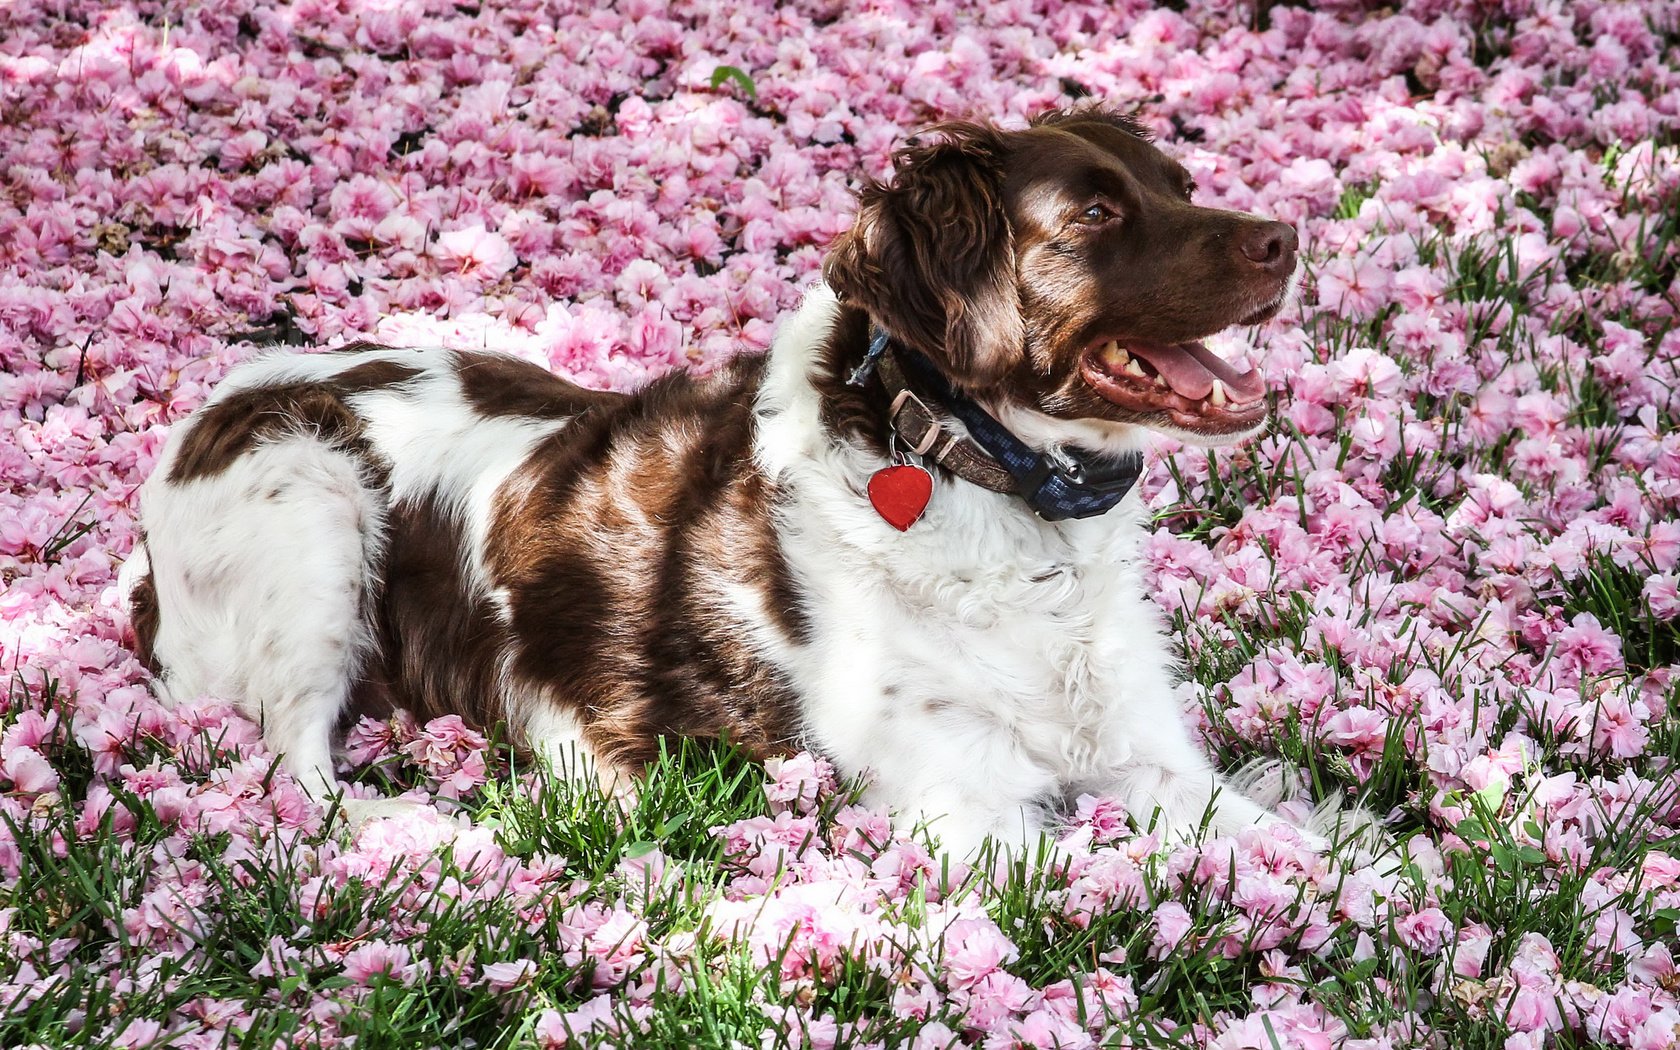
1065 266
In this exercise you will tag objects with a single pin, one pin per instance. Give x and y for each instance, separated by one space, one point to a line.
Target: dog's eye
1189 188
1094 215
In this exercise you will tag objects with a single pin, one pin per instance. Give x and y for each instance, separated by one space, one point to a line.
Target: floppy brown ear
931 256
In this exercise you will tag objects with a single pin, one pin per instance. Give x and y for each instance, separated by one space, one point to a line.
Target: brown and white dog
465 533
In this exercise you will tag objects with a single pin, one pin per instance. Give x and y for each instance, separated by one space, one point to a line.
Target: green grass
1615 595
77 886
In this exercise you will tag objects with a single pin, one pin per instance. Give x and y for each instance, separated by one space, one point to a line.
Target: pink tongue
1191 368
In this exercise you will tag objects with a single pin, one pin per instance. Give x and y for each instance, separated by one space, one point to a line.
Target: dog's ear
931 256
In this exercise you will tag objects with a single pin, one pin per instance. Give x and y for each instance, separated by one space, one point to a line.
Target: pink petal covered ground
1475 437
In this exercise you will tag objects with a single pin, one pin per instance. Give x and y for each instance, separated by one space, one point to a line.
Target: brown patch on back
498 385
621 544
439 640
701 674
373 375
144 615
233 426
223 431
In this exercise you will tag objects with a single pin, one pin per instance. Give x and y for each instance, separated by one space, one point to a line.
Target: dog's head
1063 269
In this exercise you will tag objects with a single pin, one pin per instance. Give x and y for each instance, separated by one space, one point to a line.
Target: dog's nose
1271 246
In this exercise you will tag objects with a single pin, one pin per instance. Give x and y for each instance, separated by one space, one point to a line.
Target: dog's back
465 533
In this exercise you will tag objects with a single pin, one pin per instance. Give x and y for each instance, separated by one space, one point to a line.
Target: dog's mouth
1183 382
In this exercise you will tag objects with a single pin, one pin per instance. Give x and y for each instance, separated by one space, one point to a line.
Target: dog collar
1057 485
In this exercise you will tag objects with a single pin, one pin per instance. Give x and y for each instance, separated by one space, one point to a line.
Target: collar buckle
930 437
1078 472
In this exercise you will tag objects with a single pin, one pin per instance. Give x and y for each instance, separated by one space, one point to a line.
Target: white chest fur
983 664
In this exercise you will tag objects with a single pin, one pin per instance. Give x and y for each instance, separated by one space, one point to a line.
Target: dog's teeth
1114 356
1160 380
1217 398
1134 369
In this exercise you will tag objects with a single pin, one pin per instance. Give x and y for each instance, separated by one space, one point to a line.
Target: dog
907 537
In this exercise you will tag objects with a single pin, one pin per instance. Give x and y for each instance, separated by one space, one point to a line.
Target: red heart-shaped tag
900 494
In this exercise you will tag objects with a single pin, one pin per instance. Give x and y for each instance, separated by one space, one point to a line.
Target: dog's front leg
1166 779
965 780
